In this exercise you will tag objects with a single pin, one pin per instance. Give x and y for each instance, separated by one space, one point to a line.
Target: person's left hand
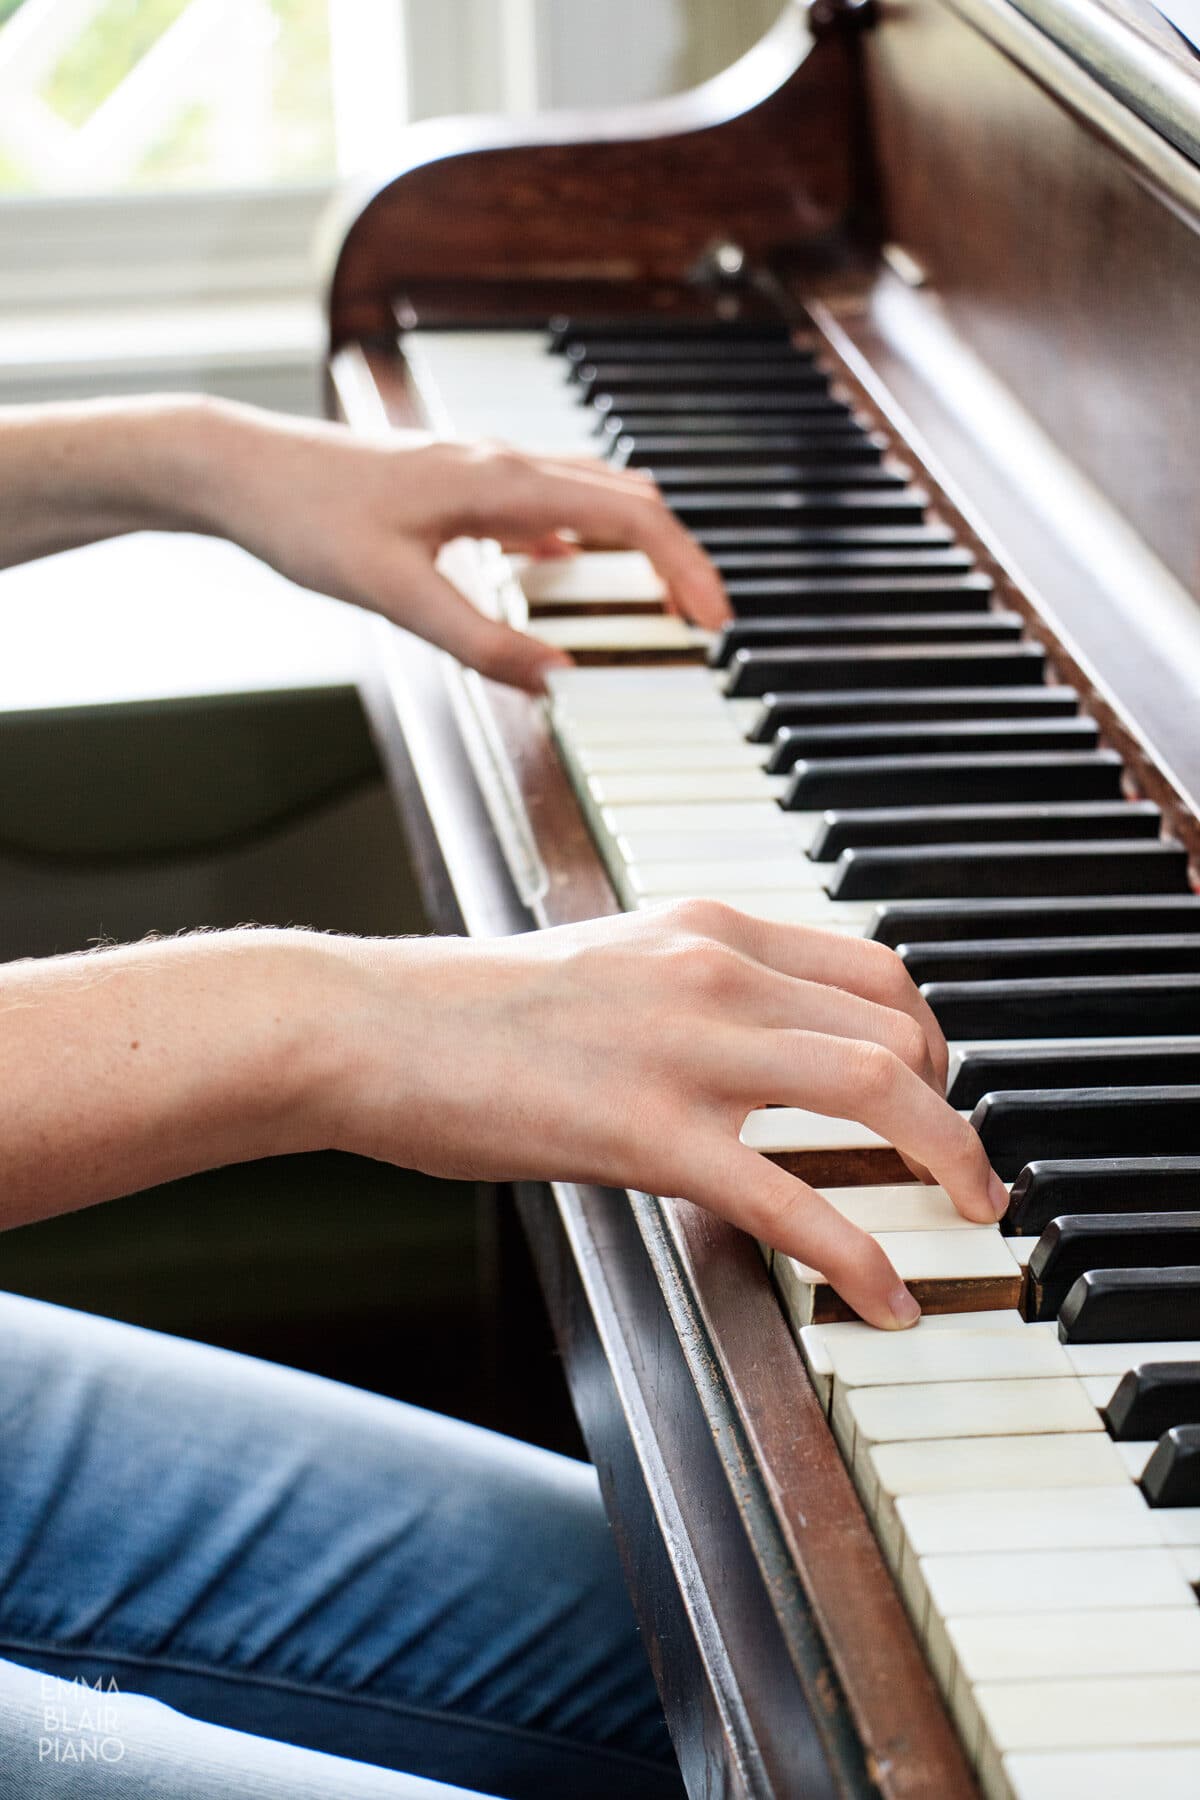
364 520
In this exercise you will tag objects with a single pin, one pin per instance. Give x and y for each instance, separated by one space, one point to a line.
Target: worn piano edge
716 1285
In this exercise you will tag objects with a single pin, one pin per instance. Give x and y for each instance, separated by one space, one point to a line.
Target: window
119 96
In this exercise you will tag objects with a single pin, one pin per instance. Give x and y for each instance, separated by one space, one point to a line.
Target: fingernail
904 1308
998 1195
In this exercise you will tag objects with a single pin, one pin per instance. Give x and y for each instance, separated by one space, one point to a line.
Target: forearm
75 473
124 1068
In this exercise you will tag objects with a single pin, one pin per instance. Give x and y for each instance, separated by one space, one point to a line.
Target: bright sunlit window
120 96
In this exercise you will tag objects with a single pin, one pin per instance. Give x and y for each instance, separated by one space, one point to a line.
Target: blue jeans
278 1587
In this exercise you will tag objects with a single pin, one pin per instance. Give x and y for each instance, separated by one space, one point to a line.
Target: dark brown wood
991 1295
1050 257
910 1747
752 1697
768 156
845 1168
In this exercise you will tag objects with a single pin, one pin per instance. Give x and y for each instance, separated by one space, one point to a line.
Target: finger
786 1002
632 480
856 964
862 1081
433 607
552 547
609 516
754 1194
834 958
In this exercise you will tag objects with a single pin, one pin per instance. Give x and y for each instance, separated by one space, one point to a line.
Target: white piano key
1084 1714
1068 1579
712 818
1055 1519
685 787
967 1465
600 684
816 1341
795 875
772 838
1155 1771
717 754
475 387
1023 1249
1100 1388
900 1206
928 1260
1134 1455
774 1129
645 718
1187 1557
614 633
1029 1583
863 1417
987 1465
592 577
1126 1641
1114 1359
1127 1645
676 726
897 1359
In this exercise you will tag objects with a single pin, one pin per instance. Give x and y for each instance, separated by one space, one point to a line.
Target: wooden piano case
997 232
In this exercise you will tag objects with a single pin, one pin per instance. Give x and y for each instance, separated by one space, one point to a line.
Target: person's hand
364 519
629 1051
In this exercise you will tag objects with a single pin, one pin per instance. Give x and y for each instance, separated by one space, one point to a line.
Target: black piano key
865 629
813 413
679 484
933 563
797 743
846 506
1084 1006
1076 1243
631 405
591 347
1172 1475
934 780
885 596
1006 959
753 673
1131 1306
1053 1186
928 871
717 539
1151 1399
679 451
779 378
918 921
1018 1127
857 828
564 329
865 706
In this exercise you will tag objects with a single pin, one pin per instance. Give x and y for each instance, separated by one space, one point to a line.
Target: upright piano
901 313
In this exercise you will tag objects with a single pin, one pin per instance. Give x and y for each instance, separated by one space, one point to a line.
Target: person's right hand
628 1051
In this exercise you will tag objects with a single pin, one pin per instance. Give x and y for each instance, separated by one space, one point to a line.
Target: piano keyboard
874 746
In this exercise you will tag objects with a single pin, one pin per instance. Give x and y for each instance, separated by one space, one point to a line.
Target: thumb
434 609
789 1215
